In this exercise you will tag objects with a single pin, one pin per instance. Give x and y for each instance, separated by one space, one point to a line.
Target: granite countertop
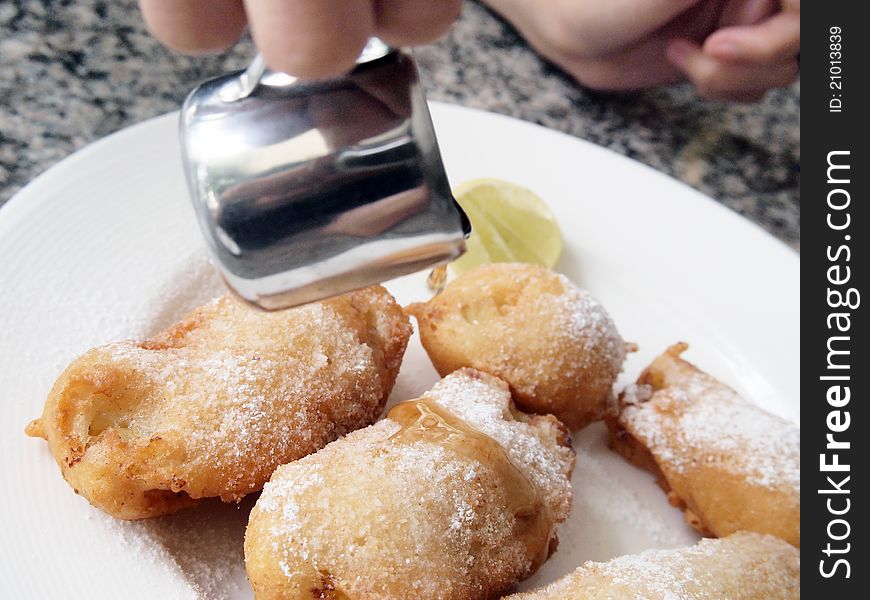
73 71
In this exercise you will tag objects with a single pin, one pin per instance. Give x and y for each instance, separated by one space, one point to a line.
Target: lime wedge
509 224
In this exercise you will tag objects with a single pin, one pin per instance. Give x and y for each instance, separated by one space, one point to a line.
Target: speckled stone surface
73 71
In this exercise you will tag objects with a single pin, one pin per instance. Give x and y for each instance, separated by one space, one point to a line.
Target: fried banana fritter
211 406
454 495
742 566
551 341
727 463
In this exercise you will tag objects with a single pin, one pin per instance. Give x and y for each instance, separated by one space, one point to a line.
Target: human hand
748 54
633 44
306 38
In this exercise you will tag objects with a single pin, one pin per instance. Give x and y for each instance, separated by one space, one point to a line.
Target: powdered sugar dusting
203 547
577 326
582 340
619 505
173 284
743 565
589 323
484 406
667 584
692 572
553 343
702 419
396 539
247 390
388 515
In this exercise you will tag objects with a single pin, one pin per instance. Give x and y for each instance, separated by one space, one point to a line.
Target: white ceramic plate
104 246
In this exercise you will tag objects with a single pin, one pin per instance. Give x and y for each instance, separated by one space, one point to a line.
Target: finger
195 26
746 12
310 38
774 39
414 22
724 80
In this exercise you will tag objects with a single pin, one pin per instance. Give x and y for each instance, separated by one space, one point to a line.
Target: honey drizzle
424 420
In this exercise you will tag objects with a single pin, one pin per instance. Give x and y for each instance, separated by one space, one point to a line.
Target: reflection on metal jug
307 189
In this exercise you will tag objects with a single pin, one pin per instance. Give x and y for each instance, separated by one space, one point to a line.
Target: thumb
686 55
